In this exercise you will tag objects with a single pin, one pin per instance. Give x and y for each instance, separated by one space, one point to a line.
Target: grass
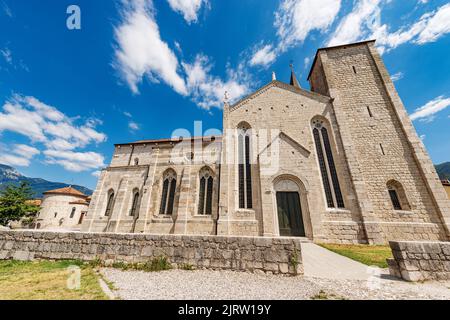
154 265
47 280
369 255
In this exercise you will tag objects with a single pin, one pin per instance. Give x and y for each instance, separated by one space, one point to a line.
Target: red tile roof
67 191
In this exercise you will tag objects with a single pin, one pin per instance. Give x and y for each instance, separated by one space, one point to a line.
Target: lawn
369 255
47 280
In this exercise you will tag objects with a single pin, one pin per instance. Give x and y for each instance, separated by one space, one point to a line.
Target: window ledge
203 216
245 211
339 211
404 212
162 218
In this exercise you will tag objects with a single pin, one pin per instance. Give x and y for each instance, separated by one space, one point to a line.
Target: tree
15 205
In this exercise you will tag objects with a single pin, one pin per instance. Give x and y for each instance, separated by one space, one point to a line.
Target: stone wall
419 261
277 255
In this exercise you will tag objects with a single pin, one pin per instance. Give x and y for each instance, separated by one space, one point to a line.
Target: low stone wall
277 255
420 261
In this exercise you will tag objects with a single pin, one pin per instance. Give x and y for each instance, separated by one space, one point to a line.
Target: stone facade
419 261
367 179
232 253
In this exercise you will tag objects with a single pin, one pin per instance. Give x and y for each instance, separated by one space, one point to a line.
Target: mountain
9 175
443 170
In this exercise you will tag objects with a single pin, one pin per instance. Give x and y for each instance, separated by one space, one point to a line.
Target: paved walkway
319 262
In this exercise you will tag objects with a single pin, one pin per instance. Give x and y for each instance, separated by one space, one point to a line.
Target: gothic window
205 192
244 168
72 214
110 203
394 199
397 196
168 193
134 205
327 166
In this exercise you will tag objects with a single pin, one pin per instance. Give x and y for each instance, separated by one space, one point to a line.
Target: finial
274 76
226 98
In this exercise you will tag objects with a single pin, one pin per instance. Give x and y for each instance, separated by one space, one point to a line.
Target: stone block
21 256
412 276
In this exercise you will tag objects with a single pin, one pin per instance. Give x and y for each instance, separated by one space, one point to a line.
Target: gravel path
228 285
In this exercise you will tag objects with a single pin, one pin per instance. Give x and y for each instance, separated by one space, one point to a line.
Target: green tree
15 205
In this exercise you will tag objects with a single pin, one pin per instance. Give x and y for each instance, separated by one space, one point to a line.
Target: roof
67 191
335 47
282 85
172 140
294 81
34 202
82 202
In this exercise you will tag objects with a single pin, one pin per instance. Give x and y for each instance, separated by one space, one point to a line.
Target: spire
294 81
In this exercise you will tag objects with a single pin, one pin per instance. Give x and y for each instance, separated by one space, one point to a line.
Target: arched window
327 166
72 214
205 192
245 168
397 195
110 203
134 205
168 192
136 161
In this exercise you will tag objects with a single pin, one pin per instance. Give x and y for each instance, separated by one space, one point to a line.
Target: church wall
147 177
377 147
292 113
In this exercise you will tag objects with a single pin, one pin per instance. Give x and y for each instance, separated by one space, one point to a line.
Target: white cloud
96 173
7 10
26 151
141 52
133 126
17 155
437 25
46 125
263 56
75 161
7 55
295 19
397 76
427 112
364 22
208 91
43 123
188 8
353 26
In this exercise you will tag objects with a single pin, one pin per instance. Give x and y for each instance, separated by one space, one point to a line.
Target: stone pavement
319 262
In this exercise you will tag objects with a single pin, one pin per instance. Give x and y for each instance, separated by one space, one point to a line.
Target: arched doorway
289 209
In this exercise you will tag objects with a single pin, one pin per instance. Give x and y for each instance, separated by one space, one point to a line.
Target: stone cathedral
340 163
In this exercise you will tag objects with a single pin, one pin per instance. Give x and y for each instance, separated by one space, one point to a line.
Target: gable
281 85
293 143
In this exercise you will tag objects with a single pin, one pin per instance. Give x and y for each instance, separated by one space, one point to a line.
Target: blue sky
142 69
